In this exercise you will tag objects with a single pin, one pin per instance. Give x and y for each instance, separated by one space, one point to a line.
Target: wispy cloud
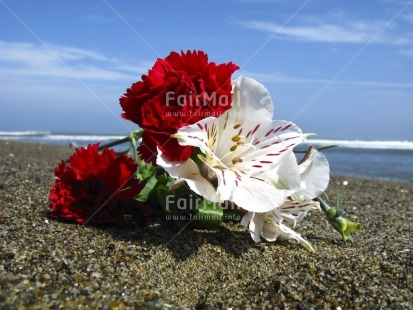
282 78
278 77
21 59
407 53
354 32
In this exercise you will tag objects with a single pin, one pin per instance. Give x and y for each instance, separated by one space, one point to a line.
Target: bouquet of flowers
209 151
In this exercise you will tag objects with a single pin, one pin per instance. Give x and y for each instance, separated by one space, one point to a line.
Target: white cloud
278 77
53 78
323 33
356 32
282 78
407 53
24 60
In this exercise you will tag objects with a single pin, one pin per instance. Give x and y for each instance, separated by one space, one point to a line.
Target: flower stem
322 148
324 206
134 149
334 216
133 137
113 143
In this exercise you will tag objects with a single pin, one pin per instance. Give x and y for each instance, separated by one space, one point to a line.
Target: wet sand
46 263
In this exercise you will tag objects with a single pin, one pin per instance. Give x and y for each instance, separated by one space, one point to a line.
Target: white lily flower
269 226
189 172
295 211
314 177
307 180
236 150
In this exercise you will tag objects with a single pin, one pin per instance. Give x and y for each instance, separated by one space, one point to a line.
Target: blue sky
341 69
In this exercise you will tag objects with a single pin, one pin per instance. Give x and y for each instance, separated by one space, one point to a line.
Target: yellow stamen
233 148
236 138
237 160
237 126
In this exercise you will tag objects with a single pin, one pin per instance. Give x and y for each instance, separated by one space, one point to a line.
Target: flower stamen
237 160
236 138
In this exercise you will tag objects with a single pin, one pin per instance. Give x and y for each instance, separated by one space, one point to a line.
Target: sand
45 263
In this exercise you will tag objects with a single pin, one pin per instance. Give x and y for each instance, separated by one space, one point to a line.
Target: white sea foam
64 137
391 145
46 135
394 164
23 133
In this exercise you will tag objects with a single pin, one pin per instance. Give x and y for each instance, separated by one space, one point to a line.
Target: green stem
317 148
324 206
133 137
113 143
343 226
134 148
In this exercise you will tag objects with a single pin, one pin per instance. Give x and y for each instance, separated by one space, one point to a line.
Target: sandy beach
45 263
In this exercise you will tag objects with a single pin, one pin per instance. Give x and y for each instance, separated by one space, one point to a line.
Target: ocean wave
62 138
46 135
85 137
27 133
391 145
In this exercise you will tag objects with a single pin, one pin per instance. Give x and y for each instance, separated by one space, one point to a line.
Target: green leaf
317 148
195 156
136 135
209 215
146 171
325 196
143 196
347 228
334 216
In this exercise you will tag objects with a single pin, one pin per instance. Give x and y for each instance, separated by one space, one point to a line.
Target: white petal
256 195
189 172
315 175
294 219
271 230
271 141
197 134
286 175
246 219
256 226
274 229
227 182
295 211
288 233
252 100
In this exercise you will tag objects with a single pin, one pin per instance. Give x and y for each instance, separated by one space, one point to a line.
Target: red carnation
178 91
96 188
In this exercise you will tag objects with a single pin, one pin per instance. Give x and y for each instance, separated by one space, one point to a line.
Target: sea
379 160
